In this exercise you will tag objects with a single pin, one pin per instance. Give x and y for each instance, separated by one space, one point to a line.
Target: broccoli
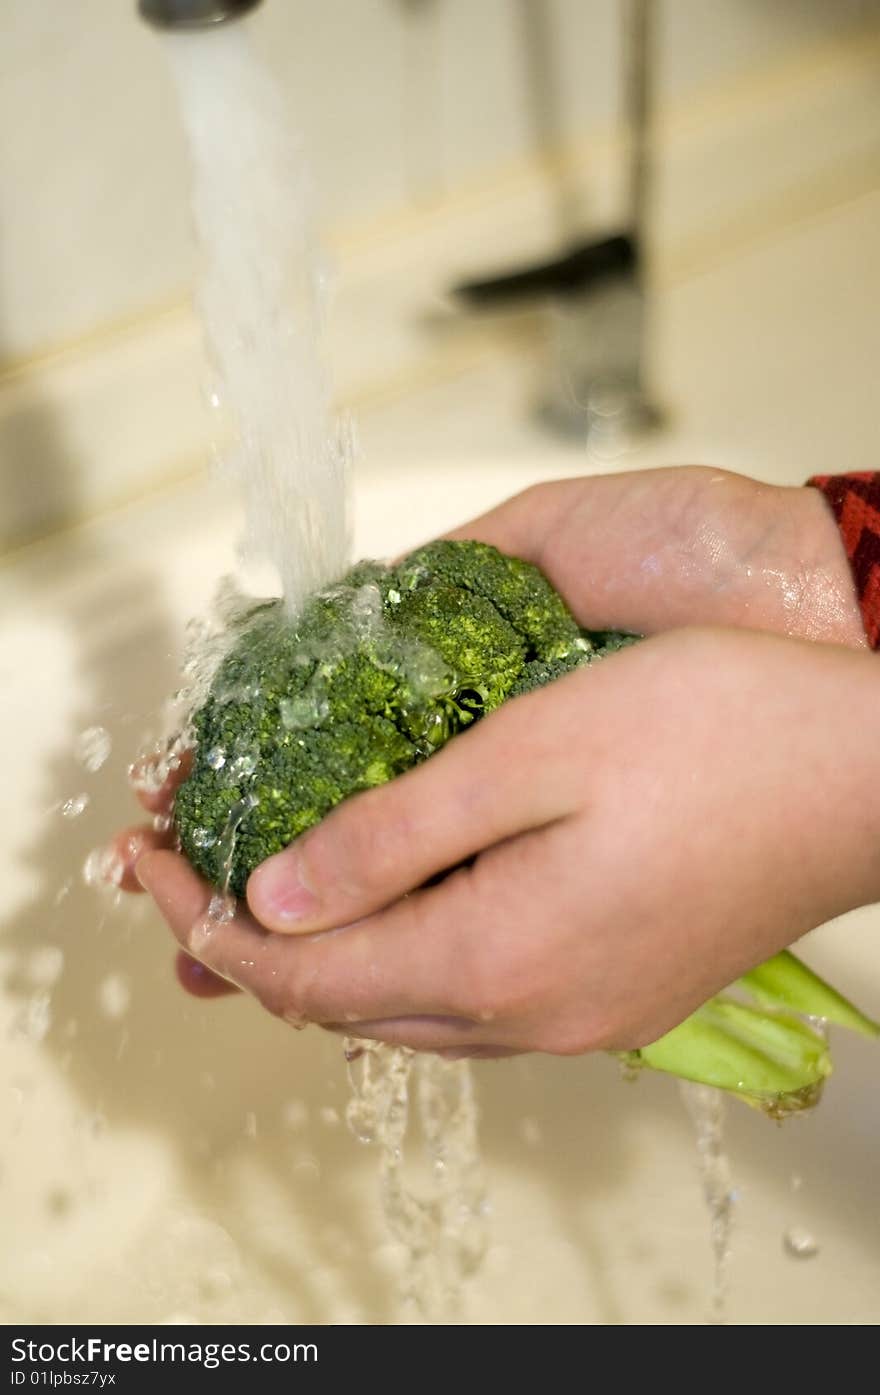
373 677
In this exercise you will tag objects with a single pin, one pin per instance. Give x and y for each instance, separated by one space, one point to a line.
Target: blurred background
449 140
165 1160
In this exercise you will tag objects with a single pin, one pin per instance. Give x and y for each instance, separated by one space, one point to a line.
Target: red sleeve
855 503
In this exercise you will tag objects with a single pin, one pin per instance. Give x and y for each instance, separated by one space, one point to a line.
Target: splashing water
260 298
207 641
443 1235
706 1108
103 869
221 907
92 748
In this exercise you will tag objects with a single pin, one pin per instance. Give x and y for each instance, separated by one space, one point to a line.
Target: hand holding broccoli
644 832
639 834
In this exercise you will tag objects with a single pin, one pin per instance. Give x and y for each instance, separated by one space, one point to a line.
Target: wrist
828 608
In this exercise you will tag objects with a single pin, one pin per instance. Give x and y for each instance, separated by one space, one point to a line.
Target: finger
142 776
127 847
411 960
381 844
520 525
198 979
185 902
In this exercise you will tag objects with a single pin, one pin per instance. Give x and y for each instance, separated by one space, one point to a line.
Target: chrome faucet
594 292
193 14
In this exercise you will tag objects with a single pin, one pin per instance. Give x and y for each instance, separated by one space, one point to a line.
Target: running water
260 294
706 1108
443 1233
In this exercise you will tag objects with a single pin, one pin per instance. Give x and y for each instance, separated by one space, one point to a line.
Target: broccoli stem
785 982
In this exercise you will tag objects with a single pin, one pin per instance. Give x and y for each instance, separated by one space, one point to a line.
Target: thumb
507 774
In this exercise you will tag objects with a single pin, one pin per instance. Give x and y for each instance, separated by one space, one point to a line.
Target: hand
656 549
643 831
652 550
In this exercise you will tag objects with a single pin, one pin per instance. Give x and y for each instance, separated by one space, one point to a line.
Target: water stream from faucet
261 292
260 296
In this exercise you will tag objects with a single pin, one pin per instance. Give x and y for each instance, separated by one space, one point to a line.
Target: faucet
193 14
593 291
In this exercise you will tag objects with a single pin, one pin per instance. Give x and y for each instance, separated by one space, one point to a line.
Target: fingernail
194 970
278 893
143 870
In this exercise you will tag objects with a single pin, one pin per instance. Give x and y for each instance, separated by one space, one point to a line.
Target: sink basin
166 1160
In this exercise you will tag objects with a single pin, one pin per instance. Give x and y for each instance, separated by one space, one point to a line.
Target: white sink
167 1159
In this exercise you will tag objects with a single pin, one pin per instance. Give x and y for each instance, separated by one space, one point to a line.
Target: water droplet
114 996
221 908
243 766
799 1243
148 773
44 966
92 747
134 846
76 805
304 712
103 867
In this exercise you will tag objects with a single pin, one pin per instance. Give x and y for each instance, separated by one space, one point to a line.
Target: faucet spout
193 14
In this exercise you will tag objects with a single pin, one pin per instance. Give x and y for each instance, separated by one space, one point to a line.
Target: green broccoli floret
538 672
516 589
374 676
